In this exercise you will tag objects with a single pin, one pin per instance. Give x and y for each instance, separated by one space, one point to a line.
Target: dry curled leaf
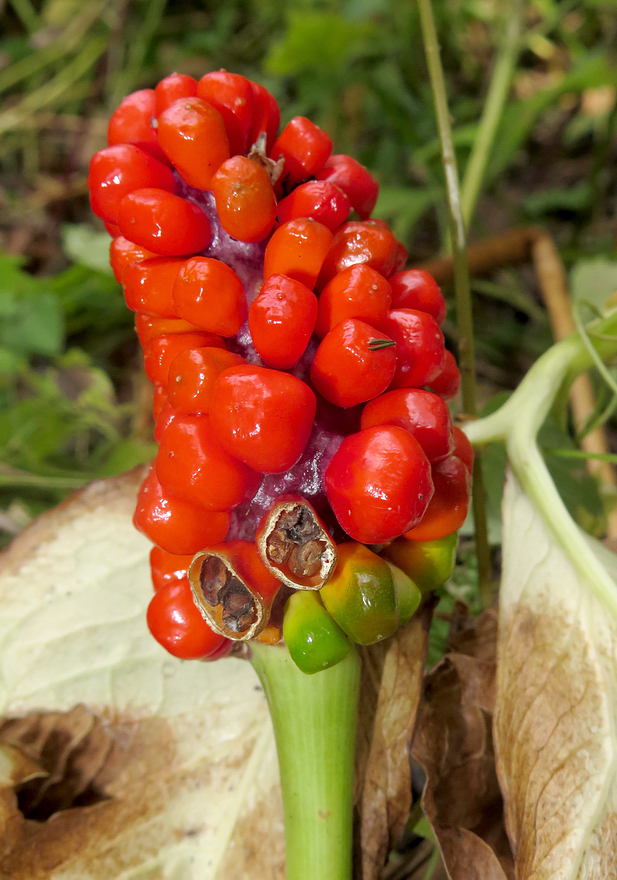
175 762
556 710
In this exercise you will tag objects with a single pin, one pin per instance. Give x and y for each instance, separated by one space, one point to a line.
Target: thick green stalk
314 718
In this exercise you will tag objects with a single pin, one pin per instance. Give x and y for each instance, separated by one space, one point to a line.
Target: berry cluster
300 377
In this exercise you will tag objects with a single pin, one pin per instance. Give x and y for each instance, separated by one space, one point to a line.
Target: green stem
314 718
464 314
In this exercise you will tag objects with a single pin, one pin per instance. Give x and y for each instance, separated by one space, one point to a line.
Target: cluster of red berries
300 373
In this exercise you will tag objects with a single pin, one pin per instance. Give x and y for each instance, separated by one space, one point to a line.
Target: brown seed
305 559
278 547
213 577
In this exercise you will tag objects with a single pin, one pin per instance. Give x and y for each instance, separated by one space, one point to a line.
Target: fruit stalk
314 718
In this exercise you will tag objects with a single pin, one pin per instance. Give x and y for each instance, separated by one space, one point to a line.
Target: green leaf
87 246
319 41
594 280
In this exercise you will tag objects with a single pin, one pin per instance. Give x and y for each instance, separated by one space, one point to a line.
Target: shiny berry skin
266 116
318 199
119 170
281 321
448 508
447 383
131 123
160 352
164 416
416 289
164 223
420 347
166 568
462 448
122 252
379 484
359 242
192 134
305 149
209 294
263 417
244 199
175 525
159 401
298 249
148 286
354 363
231 94
192 375
148 327
172 89
356 182
422 413
356 292
193 465
175 622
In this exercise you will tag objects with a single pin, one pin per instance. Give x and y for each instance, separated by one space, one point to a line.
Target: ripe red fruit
368 242
304 147
148 327
354 363
263 417
192 375
122 252
266 116
171 89
462 448
420 347
318 199
281 321
159 401
209 294
131 123
416 289
175 525
297 249
119 170
356 292
449 505
167 568
244 199
164 223
448 381
356 182
193 465
160 352
378 484
422 413
175 622
232 95
148 286
192 134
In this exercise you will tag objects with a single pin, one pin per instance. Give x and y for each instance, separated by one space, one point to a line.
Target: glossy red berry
281 321
379 484
318 199
177 526
232 95
209 294
356 292
172 89
164 223
266 116
354 363
422 413
192 134
131 123
356 182
263 417
420 347
304 147
449 505
416 289
244 199
462 448
175 622
119 170
122 252
448 381
192 375
148 327
367 242
167 568
159 400
297 249
160 352
148 286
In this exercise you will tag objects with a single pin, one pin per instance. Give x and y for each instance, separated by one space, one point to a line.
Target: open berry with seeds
300 375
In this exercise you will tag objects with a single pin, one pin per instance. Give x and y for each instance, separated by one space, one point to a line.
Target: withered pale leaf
181 754
556 712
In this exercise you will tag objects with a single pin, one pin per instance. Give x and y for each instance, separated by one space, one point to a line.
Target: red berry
356 292
164 417
175 525
160 352
281 321
167 568
164 223
263 417
354 363
449 505
448 381
304 147
192 465
244 199
318 199
420 347
131 123
192 134
192 375
175 622
122 252
148 327
359 242
209 294
420 412
171 89
148 286
159 400
416 289
462 448
232 95
266 116
117 171
297 249
358 184
379 484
